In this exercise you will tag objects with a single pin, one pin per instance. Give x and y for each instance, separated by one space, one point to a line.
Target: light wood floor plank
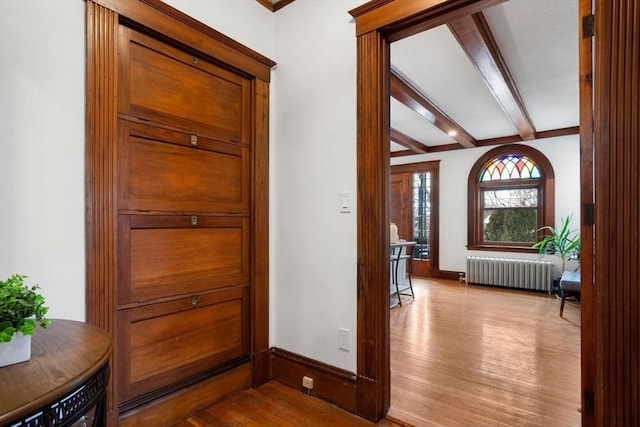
276 405
471 355
460 356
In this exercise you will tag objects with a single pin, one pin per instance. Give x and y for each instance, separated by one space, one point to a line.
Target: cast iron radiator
510 273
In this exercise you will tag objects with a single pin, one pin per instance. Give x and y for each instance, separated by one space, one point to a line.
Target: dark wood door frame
616 131
587 339
378 23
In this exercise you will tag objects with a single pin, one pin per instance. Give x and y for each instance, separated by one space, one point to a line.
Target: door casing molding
378 23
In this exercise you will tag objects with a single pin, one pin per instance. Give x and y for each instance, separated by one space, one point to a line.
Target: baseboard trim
262 371
176 407
332 384
447 274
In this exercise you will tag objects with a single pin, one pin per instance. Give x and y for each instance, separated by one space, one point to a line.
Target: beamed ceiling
507 74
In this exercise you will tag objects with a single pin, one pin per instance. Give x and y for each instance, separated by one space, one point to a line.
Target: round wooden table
66 376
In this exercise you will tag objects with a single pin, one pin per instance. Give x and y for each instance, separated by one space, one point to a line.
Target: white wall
245 21
42 135
312 160
313 245
42 104
314 289
42 139
562 152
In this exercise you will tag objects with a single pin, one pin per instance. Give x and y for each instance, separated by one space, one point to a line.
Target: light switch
346 200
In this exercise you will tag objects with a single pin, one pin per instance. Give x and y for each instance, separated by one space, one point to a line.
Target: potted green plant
560 241
21 310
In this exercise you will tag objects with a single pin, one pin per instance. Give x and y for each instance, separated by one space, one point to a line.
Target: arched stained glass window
510 166
510 198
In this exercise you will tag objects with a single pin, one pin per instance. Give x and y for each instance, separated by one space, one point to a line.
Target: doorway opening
377 25
414 207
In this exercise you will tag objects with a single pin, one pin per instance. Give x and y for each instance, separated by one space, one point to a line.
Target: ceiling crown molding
274 5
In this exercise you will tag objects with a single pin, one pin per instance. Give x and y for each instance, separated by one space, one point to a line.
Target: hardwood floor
478 356
276 405
460 356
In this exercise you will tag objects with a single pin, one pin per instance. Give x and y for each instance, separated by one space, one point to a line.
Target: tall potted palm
560 241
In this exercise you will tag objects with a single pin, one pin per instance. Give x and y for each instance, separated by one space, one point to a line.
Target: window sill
497 248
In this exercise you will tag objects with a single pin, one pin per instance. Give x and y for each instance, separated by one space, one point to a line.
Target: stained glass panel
510 167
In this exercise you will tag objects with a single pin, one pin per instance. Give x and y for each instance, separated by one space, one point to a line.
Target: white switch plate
346 201
343 339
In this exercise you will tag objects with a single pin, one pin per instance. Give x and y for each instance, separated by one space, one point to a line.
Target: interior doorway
413 207
377 25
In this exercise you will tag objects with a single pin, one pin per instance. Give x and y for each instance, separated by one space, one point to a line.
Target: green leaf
27 326
6 333
21 308
560 241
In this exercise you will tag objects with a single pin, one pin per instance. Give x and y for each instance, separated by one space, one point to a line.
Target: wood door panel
402 210
166 85
164 256
400 204
167 342
160 170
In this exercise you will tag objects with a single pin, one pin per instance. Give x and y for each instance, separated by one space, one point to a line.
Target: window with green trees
510 197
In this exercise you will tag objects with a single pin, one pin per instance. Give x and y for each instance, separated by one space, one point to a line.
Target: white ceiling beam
475 37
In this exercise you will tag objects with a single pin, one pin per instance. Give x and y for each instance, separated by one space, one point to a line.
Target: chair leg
396 280
562 297
413 296
410 270
399 295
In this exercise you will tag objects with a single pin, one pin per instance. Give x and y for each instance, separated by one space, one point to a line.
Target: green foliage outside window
511 225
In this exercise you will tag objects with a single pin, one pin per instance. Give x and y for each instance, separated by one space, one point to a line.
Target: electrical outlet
343 339
307 382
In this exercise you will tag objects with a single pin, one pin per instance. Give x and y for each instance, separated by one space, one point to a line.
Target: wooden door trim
373 345
170 23
260 234
404 18
377 24
103 18
587 339
100 177
616 108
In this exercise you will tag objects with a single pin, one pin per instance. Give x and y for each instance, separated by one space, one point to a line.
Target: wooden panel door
177 209
161 256
400 204
167 85
165 342
190 172
184 215
413 207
